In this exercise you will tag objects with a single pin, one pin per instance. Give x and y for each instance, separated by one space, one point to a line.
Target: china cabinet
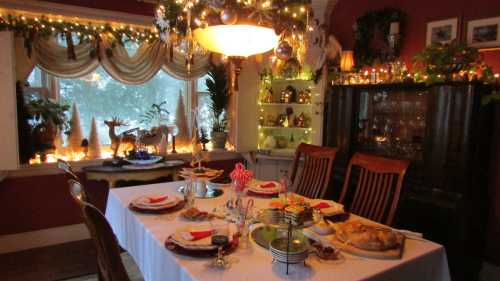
446 133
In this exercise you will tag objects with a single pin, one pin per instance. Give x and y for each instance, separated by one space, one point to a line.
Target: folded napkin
268 185
321 205
156 199
196 235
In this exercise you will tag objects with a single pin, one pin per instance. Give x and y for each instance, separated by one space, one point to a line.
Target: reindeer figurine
124 138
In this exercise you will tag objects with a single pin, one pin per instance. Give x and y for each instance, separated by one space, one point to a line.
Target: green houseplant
217 85
47 118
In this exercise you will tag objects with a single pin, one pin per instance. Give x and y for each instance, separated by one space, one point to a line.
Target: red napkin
321 205
156 199
268 185
197 235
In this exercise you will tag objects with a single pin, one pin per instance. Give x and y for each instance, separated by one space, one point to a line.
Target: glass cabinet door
390 122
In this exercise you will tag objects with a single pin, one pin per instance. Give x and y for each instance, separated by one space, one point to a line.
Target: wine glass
220 238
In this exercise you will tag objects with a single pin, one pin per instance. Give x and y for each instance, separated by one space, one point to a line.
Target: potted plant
47 118
217 85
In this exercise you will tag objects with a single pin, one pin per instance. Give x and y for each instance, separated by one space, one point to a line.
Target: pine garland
31 27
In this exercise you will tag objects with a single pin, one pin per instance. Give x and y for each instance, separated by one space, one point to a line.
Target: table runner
143 236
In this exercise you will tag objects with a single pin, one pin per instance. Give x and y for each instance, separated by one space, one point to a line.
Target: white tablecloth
143 236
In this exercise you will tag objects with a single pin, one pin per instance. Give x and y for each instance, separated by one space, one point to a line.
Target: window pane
200 85
61 39
205 114
35 78
99 95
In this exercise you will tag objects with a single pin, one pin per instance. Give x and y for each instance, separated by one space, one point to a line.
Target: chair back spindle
315 175
378 186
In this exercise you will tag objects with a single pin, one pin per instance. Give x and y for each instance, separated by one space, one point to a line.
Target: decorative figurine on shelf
261 120
301 98
281 120
290 69
124 138
270 142
271 120
304 97
268 96
288 94
300 121
281 142
286 124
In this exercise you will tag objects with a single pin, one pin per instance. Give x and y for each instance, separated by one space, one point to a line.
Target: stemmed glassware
189 192
220 238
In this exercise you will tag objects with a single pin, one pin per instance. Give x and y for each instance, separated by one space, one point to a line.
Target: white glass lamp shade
238 40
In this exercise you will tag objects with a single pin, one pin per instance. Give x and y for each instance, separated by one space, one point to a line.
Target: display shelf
284 104
289 128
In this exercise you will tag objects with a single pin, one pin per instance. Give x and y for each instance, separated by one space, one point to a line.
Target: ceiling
138 7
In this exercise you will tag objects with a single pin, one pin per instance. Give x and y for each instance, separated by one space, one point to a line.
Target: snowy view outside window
204 104
99 95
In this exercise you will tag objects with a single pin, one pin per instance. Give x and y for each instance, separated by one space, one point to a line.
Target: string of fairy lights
45 26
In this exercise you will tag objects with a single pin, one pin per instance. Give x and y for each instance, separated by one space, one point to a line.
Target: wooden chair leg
99 275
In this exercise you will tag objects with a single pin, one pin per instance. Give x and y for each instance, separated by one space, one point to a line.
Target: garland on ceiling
365 28
32 27
174 17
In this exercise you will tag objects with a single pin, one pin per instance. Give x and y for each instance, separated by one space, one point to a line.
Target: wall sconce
346 65
346 61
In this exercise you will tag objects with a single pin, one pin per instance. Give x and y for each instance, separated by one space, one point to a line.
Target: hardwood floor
133 271
73 261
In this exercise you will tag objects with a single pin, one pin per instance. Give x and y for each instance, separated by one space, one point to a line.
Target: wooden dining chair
67 169
110 265
316 172
378 186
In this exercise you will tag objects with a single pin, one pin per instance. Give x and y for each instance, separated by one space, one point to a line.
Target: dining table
143 236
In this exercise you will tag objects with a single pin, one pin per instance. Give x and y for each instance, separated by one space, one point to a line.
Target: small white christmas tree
94 151
75 133
182 137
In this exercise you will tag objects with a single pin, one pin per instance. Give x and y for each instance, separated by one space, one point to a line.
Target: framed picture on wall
484 33
442 31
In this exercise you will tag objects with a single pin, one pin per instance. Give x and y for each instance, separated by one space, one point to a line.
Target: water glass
189 193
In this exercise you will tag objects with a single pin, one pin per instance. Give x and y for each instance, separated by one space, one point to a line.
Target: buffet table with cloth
144 235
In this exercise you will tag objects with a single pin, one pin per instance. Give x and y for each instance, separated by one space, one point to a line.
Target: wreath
365 31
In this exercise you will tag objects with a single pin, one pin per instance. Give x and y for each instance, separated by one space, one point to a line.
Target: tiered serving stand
294 251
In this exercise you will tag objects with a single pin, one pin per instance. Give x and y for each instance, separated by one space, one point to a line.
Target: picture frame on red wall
442 31
484 33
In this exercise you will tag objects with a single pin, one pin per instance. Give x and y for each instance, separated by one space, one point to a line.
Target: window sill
51 168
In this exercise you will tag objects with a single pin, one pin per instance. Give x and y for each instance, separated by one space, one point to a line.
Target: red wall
418 12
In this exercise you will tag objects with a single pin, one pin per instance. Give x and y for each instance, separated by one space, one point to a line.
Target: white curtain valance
136 69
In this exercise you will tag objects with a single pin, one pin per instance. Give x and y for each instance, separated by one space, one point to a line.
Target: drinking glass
189 192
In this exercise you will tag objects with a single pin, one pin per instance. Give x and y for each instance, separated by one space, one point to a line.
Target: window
204 104
99 95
